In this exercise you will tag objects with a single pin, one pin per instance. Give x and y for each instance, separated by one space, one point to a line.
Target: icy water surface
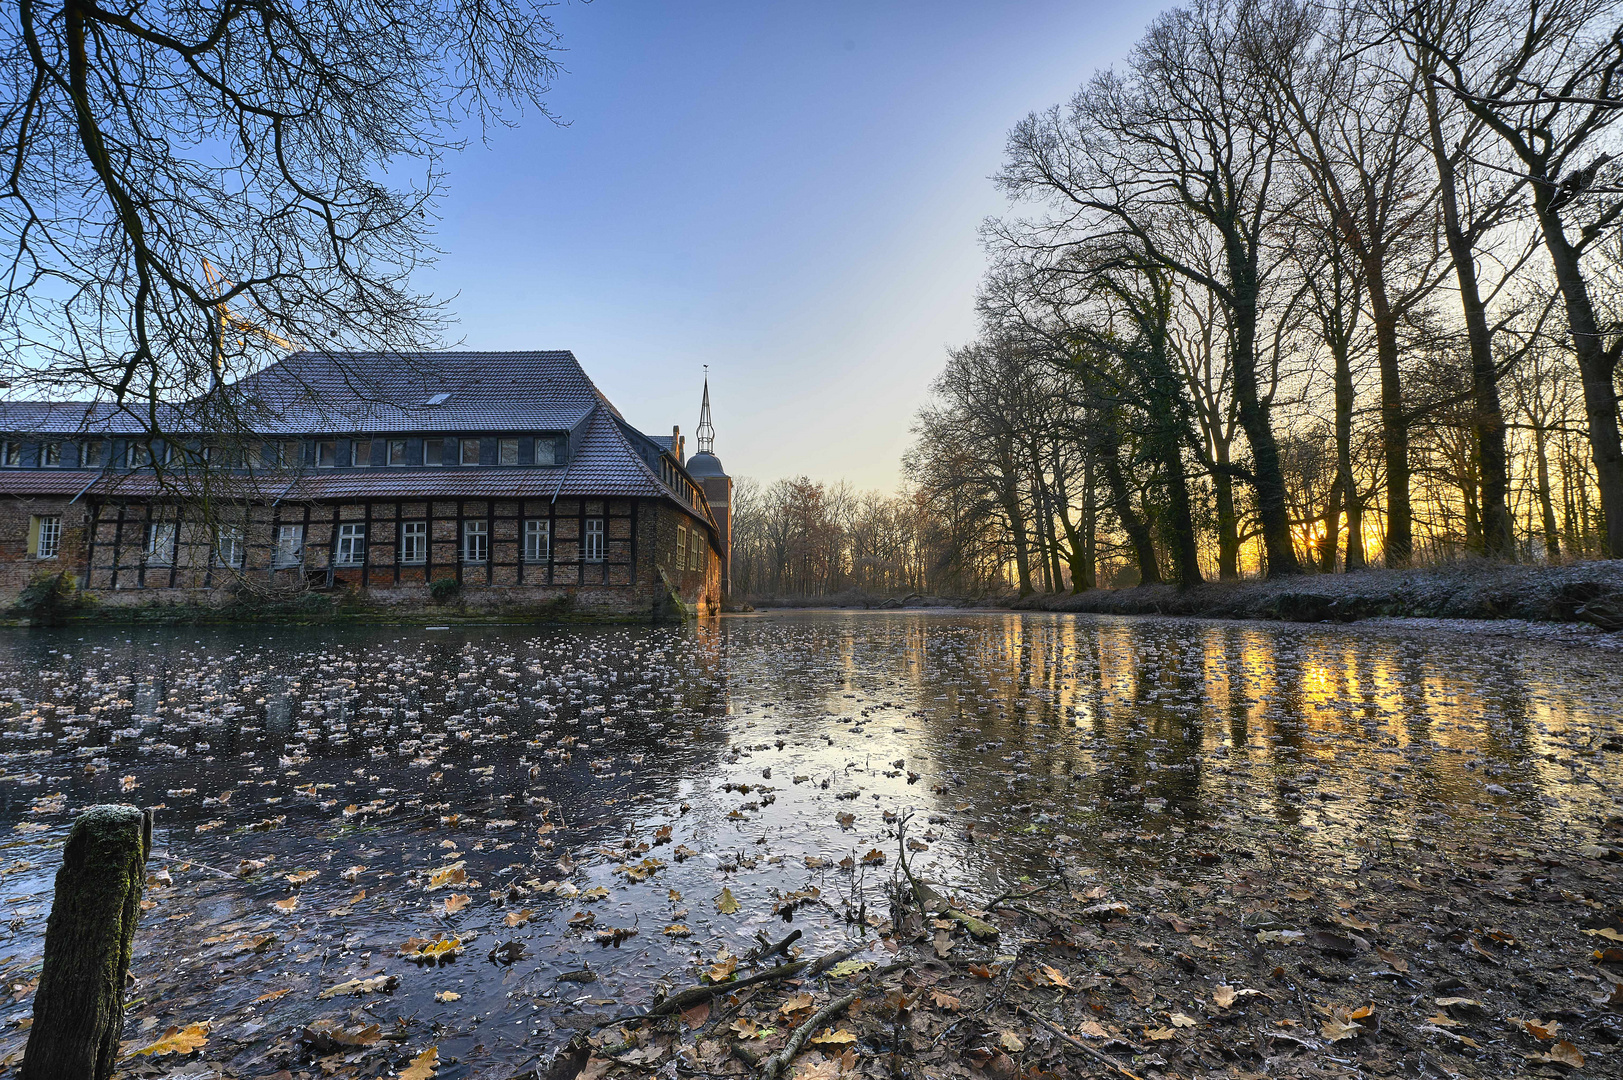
327 795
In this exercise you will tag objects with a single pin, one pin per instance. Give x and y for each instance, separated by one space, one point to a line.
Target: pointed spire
706 431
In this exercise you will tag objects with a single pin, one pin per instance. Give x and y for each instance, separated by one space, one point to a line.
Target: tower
706 468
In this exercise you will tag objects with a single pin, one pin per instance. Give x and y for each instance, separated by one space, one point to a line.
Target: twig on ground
780 1061
768 948
1097 1055
1012 895
695 994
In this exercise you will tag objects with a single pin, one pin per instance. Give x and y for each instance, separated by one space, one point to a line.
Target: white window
326 453
90 453
537 541
546 451
228 549
289 545
50 455
681 547
414 542
507 451
397 452
360 453
47 537
433 451
351 545
593 551
475 541
160 549
469 452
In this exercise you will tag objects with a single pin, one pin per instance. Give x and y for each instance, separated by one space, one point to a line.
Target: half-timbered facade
504 481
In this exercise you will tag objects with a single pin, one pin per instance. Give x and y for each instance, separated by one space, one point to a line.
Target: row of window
45 541
328 453
691 550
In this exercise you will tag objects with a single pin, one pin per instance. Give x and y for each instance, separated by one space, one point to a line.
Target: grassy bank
1590 592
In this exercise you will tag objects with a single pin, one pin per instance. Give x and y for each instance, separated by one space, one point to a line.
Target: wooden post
79 1005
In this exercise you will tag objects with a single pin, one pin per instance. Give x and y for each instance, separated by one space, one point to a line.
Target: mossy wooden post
79 1005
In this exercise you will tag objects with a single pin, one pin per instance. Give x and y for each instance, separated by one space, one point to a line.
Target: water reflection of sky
1014 739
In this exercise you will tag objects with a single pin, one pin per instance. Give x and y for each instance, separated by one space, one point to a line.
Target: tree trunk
1488 418
1228 519
1017 525
1597 365
1552 541
1090 529
1355 558
1332 529
79 1005
1268 477
1137 530
1399 545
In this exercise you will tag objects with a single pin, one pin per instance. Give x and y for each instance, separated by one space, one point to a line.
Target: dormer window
326 453
470 452
546 450
438 399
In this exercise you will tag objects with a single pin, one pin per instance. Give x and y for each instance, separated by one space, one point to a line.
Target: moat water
536 776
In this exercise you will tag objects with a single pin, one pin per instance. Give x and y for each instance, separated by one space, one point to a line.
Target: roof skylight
439 399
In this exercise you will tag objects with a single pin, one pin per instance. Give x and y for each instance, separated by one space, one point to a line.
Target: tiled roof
380 393
371 393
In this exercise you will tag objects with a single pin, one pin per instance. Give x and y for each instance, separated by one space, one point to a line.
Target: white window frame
402 445
351 550
595 543
91 458
47 536
228 546
475 541
413 543
360 458
326 453
462 448
681 547
537 541
50 455
160 543
289 545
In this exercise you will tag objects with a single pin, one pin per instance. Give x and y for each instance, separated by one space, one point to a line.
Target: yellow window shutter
33 534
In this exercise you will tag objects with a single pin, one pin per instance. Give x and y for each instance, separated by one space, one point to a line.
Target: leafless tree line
1300 286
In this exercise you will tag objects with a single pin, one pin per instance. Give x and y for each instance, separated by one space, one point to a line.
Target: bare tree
191 187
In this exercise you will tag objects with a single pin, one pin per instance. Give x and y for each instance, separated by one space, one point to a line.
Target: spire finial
706 431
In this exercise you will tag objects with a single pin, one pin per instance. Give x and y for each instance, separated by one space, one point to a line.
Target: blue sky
787 192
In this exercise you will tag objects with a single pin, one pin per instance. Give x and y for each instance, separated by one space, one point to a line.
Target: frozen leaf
422 1066
447 875
456 902
678 930
286 906
302 877
817 862
593 895
178 1040
272 995
847 968
382 984
842 1037
431 950
727 903
518 918
447 996
875 857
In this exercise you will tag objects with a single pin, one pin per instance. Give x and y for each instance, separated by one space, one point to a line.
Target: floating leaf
302 877
847 968
382 984
178 1040
727 903
422 1066
456 902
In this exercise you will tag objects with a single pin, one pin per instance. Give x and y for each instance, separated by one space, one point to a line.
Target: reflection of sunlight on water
1014 738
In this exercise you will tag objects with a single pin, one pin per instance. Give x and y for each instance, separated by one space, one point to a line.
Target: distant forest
1297 288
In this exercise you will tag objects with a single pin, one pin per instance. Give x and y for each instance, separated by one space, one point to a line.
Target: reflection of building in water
507 478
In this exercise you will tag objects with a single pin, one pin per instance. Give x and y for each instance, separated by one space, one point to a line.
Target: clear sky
788 192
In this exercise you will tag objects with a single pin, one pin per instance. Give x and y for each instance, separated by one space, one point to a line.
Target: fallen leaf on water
846 968
447 995
723 968
290 904
456 902
178 1040
727 903
272 995
678 930
519 918
382 984
302 876
422 1066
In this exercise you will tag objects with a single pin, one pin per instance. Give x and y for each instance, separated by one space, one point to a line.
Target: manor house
504 481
